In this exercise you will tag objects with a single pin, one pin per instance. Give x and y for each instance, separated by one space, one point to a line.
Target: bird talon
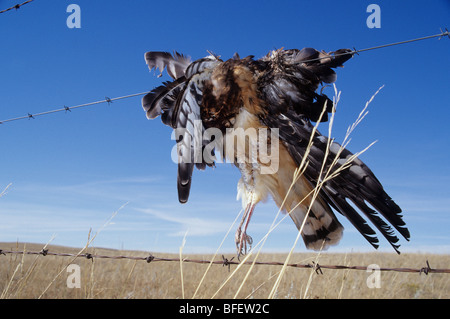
242 240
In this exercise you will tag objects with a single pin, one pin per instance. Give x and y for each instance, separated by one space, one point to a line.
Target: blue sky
71 172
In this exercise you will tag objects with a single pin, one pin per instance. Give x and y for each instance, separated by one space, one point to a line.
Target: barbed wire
443 33
227 263
17 6
70 108
108 100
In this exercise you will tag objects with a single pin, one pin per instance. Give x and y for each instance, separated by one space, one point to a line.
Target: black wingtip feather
183 191
355 185
343 207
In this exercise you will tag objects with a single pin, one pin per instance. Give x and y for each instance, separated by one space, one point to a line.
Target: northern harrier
277 94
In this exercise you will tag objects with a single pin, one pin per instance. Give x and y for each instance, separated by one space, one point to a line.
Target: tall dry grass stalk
181 264
23 281
4 191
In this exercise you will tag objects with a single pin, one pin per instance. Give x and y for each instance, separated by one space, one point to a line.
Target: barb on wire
426 269
445 33
17 6
149 258
317 268
227 262
43 252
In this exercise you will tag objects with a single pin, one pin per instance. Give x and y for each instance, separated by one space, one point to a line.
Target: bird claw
242 240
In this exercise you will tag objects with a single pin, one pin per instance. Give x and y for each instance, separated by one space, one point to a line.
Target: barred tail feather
321 228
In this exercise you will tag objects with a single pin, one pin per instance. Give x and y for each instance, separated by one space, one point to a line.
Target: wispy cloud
195 226
120 188
35 211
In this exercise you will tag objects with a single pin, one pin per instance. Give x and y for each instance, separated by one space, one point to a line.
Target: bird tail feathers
321 228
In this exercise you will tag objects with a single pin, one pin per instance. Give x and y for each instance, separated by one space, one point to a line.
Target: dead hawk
277 93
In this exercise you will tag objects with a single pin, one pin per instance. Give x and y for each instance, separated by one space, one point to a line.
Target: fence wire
17 6
108 100
427 269
70 108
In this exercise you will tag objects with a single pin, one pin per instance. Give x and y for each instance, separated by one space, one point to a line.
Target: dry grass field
37 276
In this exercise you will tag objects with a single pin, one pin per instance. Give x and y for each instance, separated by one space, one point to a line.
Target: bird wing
354 183
290 79
292 103
178 102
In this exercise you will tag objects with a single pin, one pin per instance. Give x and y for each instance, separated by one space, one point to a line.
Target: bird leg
241 237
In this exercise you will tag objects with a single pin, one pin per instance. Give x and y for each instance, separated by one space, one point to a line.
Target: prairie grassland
37 276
